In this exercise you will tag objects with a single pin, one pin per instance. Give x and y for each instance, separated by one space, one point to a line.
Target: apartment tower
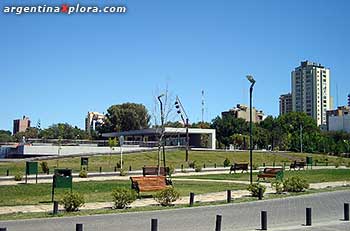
311 90
286 104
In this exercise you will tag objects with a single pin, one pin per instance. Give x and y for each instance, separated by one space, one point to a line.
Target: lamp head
251 79
160 96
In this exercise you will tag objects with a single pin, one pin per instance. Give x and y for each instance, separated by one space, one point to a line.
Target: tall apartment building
21 125
349 100
92 119
286 103
243 112
311 90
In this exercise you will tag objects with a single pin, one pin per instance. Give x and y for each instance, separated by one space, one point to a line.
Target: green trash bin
84 162
62 178
32 169
309 161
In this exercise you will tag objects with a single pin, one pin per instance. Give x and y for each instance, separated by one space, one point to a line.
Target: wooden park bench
153 171
297 164
271 173
148 183
235 166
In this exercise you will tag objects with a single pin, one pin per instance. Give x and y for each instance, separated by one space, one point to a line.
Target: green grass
312 176
174 158
95 191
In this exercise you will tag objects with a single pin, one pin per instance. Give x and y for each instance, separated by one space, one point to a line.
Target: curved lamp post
252 81
181 111
162 135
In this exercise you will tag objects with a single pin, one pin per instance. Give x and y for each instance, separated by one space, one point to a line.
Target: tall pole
187 140
162 135
251 135
181 111
301 138
252 81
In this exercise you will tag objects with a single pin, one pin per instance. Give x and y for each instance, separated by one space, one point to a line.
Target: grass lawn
174 158
312 176
95 191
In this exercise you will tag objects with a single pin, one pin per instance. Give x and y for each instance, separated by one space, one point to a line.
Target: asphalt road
283 214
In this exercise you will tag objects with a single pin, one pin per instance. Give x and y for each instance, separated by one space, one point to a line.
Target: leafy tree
63 131
204 125
125 117
175 124
292 123
29 133
227 126
5 136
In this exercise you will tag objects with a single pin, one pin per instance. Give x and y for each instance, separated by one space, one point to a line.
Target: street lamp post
162 123
301 138
252 81
180 110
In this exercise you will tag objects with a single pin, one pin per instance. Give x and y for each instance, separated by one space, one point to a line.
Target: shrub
44 167
227 162
18 177
254 189
192 164
348 164
278 186
167 196
123 172
337 164
171 170
255 166
119 164
295 184
198 168
83 174
123 197
73 201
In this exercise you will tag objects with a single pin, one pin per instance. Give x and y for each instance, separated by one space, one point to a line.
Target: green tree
5 136
125 117
227 126
64 131
292 124
29 133
175 124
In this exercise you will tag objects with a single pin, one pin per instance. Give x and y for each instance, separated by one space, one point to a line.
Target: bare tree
162 113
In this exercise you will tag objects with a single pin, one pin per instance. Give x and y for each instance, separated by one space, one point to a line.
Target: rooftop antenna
202 107
337 95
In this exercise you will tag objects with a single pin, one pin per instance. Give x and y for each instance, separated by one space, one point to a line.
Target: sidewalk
209 197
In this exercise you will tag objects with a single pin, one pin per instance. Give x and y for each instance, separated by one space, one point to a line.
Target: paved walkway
209 197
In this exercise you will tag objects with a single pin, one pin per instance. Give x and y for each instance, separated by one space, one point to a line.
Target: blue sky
56 68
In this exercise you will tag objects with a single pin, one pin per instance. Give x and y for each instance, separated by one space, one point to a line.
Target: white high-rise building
311 90
92 120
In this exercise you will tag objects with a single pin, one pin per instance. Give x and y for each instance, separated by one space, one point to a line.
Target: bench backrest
153 171
241 165
272 170
149 180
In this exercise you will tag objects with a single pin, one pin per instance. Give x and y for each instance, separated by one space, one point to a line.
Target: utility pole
162 132
202 107
301 138
181 111
252 81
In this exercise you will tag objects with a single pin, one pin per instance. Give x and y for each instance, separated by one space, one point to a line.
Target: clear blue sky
56 68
